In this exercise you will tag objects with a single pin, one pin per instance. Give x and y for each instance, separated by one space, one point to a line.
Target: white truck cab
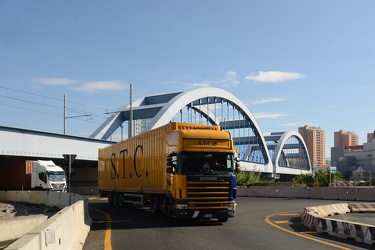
46 175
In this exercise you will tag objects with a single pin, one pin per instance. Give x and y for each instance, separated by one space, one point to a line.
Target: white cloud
274 76
231 78
92 87
268 115
189 86
291 124
56 81
262 101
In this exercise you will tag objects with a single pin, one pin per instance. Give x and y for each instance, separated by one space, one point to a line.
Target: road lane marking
108 231
306 236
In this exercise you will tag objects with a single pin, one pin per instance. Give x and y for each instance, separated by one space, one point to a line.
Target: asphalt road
260 223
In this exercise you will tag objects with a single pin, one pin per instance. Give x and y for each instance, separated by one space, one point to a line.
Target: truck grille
208 195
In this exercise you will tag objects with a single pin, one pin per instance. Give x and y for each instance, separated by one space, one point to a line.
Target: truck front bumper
206 213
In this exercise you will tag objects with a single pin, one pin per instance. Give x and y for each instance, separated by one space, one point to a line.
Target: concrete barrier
311 216
276 191
67 229
362 207
310 220
359 232
329 193
321 219
329 210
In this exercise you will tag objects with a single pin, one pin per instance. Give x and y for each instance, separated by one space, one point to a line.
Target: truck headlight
181 206
232 206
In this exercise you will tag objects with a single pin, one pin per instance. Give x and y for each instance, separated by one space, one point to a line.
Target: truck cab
203 185
46 175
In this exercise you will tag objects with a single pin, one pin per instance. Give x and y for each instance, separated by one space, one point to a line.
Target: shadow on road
136 218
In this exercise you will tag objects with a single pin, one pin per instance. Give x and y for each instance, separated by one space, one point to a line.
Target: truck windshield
205 163
56 176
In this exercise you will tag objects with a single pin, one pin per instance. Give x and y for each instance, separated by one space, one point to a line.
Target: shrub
245 178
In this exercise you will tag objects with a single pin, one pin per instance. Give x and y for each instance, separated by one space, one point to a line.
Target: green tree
304 180
320 178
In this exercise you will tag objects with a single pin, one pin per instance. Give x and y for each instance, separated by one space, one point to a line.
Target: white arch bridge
275 155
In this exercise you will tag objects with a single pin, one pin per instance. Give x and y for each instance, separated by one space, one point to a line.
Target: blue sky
291 62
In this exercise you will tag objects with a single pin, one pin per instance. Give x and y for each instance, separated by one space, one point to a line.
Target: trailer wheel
114 200
121 201
155 205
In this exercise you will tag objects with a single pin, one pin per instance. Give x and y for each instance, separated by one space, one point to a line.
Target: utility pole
131 112
64 114
65 117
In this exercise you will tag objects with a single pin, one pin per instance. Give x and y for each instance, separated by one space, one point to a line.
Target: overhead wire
55 107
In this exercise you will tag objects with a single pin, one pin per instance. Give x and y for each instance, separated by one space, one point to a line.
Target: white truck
31 174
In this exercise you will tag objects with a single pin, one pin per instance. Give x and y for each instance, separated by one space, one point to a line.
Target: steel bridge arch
161 109
212 95
279 153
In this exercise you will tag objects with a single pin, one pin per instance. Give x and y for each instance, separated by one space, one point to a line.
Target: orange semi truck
186 171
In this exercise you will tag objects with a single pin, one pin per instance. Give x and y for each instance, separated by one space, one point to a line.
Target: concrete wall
67 229
329 193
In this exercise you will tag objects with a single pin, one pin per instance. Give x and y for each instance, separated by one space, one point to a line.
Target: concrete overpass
17 143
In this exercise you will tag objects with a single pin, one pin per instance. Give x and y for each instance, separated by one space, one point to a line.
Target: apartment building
315 139
345 139
348 159
370 137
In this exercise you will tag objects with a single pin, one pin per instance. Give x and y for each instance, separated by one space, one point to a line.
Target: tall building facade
138 127
315 139
370 137
344 138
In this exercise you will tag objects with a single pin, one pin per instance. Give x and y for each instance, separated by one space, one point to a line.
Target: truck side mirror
171 168
238 168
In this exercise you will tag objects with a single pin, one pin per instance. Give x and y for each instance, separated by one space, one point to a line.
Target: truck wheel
222 219
169 212
120 200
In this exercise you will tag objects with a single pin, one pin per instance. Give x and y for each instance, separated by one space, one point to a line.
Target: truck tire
121 201
171 219
114 199
155 205
222 219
